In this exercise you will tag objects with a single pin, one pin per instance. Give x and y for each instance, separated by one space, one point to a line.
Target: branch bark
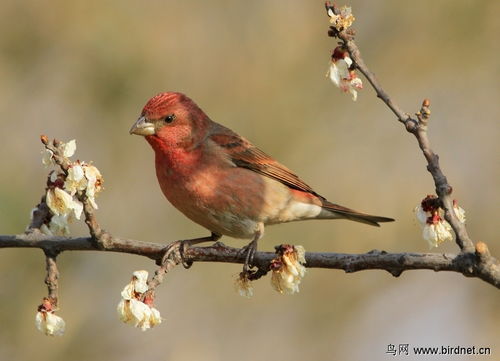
478 264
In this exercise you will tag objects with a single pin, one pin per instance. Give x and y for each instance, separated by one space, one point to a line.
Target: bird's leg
250 250
182 246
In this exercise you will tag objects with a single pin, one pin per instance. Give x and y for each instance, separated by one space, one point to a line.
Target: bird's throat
176 159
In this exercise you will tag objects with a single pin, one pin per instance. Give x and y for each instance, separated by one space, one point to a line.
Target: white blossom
49 323
69 148
340 75
58 226
352 87
343 20
437 232
459 212
47 158
62 203
421 215
138 285
155 318
339 70
138 314
244 286
75 180
132 309
46 230
288 270
94 183
53 176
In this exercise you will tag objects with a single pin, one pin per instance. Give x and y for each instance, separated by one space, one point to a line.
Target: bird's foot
176 250
180 247
249 252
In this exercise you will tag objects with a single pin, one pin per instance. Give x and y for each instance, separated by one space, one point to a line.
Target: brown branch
479 264
416 127
52 278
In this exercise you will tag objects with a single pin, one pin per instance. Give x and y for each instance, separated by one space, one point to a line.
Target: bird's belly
226 202
235 201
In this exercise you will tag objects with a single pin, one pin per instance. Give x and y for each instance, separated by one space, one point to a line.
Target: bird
222 181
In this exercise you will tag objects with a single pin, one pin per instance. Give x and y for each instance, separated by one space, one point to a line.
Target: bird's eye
169 118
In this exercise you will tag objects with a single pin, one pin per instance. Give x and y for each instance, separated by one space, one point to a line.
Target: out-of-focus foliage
84 69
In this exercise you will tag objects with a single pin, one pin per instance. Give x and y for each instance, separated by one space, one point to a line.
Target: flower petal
59 225
459 212
155 318
244 286
75 180
50 324
47 158
140 281
437 233
69 148
421 215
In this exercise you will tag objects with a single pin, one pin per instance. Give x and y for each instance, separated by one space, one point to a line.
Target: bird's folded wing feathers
244 154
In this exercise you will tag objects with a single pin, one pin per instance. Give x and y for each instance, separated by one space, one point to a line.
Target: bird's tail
347 213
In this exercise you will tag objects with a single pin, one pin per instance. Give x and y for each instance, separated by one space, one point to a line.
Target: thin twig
52 278
415 127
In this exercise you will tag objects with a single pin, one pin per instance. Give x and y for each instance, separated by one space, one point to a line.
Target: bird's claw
249 252
180 248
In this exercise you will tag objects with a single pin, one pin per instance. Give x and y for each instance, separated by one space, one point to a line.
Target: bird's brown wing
244 154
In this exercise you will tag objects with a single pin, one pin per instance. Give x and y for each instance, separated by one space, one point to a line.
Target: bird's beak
142 127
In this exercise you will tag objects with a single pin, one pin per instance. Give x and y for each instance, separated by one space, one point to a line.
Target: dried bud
482 249
430 203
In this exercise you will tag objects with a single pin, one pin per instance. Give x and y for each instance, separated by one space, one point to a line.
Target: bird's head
171 120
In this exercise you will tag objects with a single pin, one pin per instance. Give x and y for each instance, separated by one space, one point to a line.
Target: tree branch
417 127
479 264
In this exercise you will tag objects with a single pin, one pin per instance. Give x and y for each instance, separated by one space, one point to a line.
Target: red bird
223 182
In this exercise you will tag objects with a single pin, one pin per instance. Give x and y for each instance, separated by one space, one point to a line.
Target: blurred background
84 70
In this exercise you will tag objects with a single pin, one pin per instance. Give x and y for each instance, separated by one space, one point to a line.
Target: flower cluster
435 229
341 75
47 322
64 190
136 306
343 20
288 269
